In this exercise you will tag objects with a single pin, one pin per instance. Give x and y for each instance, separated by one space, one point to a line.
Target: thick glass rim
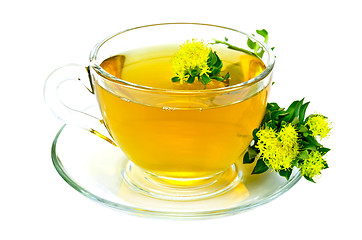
106 75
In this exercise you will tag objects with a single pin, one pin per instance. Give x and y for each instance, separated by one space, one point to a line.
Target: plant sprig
286 139
195 60
256 49
214 64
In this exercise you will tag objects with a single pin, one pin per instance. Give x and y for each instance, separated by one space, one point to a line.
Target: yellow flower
289 136
279 150
313 165
192 54
319 126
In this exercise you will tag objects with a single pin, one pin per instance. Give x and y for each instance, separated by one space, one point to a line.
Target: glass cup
181 144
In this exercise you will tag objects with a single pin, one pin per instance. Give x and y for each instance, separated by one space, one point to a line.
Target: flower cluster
196 60
278 149
319 125
287 140
313 165
191 55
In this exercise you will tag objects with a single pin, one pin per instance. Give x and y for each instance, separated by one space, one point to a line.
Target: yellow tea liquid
187 141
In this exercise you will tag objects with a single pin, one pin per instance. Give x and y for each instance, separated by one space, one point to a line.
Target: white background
318 48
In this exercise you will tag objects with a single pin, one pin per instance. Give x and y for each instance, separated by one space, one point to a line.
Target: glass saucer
93 167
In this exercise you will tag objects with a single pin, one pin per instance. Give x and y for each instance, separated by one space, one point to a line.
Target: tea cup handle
53 99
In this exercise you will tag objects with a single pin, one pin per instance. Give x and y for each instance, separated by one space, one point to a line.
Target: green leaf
323 150
325 165
254 134
260 167
309 179
218 63
297 110
293 109
191 79
306 145
263 33
295 162
247 159
227 76
175 79
193 72
212 58
295 121
273 106
278 114
251 44
303 129
273 124
205 79
249 156
303 108
217 78
311 147
286 173
260 53
215 65
283 115
252 152
313 141
256 49
303 155
292 106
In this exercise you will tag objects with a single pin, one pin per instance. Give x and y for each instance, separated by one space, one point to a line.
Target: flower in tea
192 56
319 125
195 59
313 165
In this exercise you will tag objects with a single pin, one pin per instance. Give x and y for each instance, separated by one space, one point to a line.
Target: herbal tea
186 139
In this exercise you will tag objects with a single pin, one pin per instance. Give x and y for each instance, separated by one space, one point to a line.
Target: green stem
234 47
